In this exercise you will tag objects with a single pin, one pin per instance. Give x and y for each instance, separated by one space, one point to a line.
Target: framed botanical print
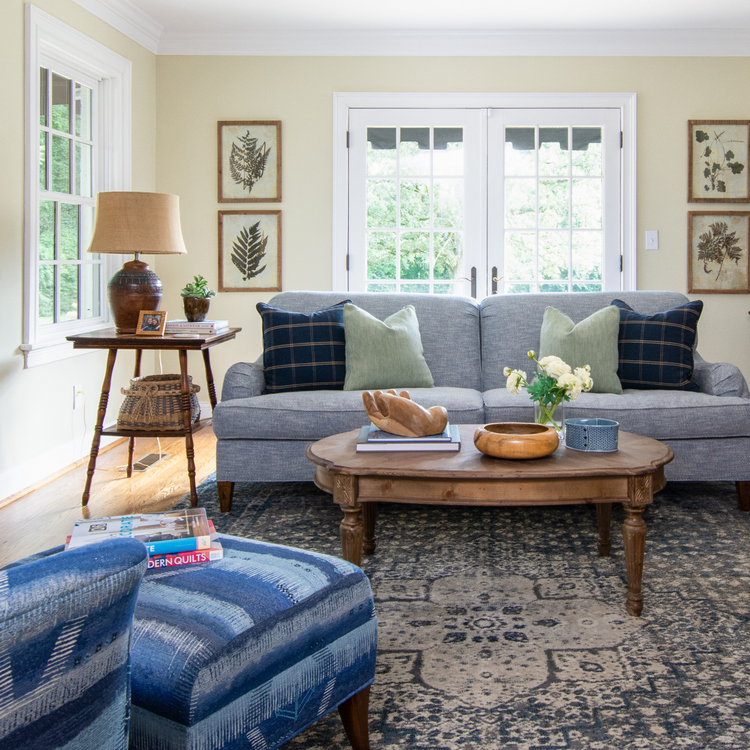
718 252
718 161
249 161
250 251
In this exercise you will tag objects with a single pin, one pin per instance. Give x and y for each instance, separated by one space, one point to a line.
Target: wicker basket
153 402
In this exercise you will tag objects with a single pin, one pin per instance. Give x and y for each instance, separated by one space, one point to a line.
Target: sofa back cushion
511 323
449 327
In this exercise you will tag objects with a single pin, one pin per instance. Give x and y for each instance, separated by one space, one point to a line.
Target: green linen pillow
385 353
593 342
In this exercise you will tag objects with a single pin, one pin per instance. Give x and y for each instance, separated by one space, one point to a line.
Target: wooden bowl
516 440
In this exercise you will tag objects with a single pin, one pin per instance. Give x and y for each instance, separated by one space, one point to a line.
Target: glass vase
554 417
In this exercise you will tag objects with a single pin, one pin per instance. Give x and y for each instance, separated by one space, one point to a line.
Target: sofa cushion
384 353
443 320
303 352
656 351
311 415
511 323
675 415
592 341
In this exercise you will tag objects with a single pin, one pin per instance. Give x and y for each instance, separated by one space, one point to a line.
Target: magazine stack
172 538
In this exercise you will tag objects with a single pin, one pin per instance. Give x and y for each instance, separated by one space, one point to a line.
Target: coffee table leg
369 514
352 529
634 537
604 516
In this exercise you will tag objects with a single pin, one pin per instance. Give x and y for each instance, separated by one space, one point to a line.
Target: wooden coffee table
358 481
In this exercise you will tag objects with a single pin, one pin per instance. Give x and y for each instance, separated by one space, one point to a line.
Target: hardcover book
399 443
171 531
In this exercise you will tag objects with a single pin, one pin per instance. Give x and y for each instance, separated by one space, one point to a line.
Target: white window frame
52 44
343 102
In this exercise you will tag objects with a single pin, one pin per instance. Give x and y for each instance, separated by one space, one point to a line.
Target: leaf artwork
718 160
718 246
247 162
248 250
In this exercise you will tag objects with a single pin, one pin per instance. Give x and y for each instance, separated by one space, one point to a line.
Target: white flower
531 354
584 373
554 366
571 383
513 384
506 371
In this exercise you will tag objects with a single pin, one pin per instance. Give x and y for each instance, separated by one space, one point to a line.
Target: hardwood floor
45 516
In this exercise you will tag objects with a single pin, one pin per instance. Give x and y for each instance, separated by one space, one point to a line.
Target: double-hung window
485 194
78 143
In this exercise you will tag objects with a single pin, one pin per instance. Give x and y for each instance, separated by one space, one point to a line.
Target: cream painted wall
193 92
40 431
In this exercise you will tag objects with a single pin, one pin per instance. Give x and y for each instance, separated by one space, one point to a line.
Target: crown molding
128 19
545 43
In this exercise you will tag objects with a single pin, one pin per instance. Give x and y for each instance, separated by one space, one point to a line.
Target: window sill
54 350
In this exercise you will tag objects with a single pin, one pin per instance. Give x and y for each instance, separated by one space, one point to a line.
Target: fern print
248 250
247 161
718 246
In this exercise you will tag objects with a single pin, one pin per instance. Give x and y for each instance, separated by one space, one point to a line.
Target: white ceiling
657 27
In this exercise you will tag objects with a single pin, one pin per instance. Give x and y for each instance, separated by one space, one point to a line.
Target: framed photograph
151 323
718 252
718 161
250 251
249 161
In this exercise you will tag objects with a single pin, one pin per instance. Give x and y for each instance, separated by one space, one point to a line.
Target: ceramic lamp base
133 288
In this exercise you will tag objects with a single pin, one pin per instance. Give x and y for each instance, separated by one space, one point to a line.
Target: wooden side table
113 342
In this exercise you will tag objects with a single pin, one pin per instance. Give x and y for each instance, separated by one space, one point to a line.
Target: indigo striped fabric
303 352
248 651
656 351
65 620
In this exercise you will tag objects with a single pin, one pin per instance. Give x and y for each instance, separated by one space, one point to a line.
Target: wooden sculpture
397 413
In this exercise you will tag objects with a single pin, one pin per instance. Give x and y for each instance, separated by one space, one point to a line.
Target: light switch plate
652 240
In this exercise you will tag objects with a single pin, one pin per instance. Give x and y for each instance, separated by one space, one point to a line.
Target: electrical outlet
652 240
77 397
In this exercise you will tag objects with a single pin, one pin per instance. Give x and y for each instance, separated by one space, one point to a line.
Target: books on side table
195 328
370 438
172 538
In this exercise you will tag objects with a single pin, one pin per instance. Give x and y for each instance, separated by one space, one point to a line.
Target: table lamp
128 222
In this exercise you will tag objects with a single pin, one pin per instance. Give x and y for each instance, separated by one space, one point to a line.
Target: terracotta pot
516 440
196 308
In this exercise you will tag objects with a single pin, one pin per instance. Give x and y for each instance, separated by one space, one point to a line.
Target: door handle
473 281
494 279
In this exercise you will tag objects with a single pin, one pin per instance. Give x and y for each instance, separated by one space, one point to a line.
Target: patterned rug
502 628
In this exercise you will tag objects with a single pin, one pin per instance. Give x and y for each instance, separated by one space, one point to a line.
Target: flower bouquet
554 383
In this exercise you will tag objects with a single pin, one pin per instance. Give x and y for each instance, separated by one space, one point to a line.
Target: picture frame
718 252
249 155
151 323
250 251
718 161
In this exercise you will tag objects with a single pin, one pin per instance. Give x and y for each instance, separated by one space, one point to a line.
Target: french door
480 201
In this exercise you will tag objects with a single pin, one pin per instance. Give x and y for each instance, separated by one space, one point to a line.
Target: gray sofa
467 343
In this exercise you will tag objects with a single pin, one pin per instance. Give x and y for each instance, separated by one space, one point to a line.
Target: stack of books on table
172 538
372 439
195 328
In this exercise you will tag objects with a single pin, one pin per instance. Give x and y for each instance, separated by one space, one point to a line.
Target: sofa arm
720 378
243 379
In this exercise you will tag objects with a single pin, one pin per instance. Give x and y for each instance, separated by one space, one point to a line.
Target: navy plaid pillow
656 351
303 352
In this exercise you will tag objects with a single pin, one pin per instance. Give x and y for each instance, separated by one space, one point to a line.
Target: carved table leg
369 514
634 537
604 516
352 531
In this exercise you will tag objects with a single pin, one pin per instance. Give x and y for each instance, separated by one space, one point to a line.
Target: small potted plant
196 298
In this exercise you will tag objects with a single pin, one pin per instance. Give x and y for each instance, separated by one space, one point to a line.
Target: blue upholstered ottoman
248 651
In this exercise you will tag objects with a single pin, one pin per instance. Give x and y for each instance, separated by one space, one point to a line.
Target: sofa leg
226 489
354 715
743 495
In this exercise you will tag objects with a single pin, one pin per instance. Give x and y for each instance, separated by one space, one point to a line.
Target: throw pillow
303 352
592 341
384 353
656 351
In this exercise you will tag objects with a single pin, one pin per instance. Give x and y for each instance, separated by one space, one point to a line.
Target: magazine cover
170 531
